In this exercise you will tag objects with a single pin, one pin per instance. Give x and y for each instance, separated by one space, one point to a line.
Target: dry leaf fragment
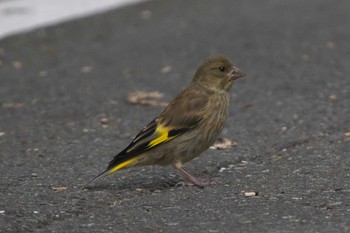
58 188
147 98
305 57
86 69
166 69
330 45
17 65
146 14
43 73
223 143
13 105
332 97
141 190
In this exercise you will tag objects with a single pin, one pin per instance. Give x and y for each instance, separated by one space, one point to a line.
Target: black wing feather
129 151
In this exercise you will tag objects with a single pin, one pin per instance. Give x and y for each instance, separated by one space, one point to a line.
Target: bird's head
217 73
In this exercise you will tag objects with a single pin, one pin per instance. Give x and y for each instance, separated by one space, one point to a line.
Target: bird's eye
222 68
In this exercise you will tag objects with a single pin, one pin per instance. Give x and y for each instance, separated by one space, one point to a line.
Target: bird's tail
112 168
102 174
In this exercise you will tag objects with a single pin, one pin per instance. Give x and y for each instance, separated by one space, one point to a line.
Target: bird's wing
181 115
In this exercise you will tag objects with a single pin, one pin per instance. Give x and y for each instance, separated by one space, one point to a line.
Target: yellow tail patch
122 165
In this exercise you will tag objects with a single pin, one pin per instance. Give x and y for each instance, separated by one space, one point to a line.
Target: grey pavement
289 117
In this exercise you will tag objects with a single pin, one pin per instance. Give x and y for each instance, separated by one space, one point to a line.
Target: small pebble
104 120
250 194
58 188
222 169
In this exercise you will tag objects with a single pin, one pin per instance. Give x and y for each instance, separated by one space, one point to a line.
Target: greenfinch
188 126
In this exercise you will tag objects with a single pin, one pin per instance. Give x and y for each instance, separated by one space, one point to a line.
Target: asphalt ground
64 114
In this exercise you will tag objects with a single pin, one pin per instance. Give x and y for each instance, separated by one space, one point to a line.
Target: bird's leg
193 180
189 177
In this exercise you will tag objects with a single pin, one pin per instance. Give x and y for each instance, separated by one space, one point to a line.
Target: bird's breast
217 115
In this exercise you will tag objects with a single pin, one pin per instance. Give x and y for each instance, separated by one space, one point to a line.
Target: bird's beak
236 74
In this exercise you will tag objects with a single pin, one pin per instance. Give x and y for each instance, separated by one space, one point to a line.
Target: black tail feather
102 174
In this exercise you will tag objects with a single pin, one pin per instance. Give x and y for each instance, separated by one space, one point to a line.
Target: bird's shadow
147 184
139 185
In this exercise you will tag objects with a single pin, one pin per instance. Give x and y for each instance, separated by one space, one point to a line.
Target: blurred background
18 16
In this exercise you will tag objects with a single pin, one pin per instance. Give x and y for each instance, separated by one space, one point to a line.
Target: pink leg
189 177
193 180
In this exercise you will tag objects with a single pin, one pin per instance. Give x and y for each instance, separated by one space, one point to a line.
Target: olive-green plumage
188 125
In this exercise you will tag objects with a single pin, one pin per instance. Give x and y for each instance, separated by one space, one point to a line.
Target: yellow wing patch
163 136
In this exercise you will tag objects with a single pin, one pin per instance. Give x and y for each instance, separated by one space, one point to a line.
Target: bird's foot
191 180
201 183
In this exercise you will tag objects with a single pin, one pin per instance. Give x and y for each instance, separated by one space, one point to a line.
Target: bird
187 126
